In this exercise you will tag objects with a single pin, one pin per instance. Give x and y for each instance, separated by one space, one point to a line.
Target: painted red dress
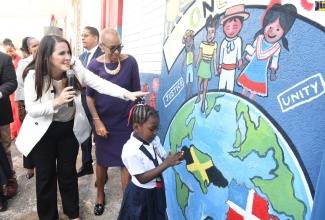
254 76
16 124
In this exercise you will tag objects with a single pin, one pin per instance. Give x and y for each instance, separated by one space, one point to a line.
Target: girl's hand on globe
174 159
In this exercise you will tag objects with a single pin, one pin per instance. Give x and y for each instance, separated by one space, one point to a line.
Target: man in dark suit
8 85
90 40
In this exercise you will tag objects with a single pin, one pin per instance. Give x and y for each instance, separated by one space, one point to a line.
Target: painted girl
207 53
188 40
264 53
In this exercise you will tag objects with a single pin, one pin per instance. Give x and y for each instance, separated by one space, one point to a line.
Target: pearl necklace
112 72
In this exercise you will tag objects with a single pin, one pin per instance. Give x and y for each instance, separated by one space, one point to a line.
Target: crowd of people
67 103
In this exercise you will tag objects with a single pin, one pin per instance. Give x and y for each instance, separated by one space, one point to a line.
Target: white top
22 64
92 51
40 113
137 162
233 56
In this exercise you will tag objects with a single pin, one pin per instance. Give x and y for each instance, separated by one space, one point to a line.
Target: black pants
55 160
86 146
28 162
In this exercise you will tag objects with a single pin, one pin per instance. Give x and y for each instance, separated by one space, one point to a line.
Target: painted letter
206 6
286 103
314 86
306 90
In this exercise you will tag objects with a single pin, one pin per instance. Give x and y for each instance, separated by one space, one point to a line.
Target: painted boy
231 47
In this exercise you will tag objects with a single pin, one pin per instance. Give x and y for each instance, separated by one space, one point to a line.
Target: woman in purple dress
110 115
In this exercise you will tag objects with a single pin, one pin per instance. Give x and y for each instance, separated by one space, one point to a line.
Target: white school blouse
137 162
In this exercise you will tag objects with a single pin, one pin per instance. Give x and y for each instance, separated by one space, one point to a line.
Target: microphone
70 76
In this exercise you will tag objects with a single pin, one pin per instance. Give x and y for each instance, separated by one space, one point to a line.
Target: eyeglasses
113 48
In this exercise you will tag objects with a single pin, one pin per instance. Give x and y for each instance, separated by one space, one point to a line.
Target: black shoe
99 208
3 202
105 180
29 175
85 171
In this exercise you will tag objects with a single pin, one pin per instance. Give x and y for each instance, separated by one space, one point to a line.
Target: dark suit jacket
8 85
97 53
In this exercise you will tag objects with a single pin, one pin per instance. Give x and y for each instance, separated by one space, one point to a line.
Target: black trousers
28 162
55 161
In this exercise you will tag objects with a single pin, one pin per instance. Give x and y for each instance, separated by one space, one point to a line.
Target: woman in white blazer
52 131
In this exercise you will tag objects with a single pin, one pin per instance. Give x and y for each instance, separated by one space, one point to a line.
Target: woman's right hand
100 128
66 96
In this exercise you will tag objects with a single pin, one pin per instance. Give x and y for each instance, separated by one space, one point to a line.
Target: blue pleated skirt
143 204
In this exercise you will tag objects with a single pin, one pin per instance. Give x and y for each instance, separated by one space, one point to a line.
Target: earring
103 51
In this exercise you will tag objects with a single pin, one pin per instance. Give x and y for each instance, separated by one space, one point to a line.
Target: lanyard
147 153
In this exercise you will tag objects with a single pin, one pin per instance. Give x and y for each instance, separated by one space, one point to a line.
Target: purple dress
112 111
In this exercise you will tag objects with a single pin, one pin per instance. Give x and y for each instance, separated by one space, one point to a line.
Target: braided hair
142 112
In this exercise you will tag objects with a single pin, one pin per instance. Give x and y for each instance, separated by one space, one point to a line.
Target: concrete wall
254 154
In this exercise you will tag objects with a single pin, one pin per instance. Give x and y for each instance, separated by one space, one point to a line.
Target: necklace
112 72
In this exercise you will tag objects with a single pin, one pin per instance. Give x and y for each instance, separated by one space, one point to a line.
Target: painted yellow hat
187 33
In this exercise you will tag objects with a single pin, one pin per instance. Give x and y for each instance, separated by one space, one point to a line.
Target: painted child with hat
231 47
188 40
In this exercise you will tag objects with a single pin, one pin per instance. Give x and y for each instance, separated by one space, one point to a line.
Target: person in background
11 51
32 46
8 84
50 132
142 154
90 40
24 48
110 114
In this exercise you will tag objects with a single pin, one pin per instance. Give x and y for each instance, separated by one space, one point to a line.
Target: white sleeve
35 108
97 83
133 161
20 89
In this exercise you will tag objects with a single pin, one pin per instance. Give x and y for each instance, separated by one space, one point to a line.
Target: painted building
239 87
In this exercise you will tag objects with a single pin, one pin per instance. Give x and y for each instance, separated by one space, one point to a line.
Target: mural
252 135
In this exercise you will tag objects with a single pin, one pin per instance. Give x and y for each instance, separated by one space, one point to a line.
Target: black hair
212 21
24 45
287 15
8 42
93 31
141 113
42 64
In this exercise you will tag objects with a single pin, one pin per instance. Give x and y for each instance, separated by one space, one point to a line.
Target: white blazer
40 113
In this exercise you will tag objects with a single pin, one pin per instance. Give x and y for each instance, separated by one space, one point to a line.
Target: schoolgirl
143 156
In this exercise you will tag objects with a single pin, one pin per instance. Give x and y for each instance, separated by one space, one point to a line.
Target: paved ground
23 205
